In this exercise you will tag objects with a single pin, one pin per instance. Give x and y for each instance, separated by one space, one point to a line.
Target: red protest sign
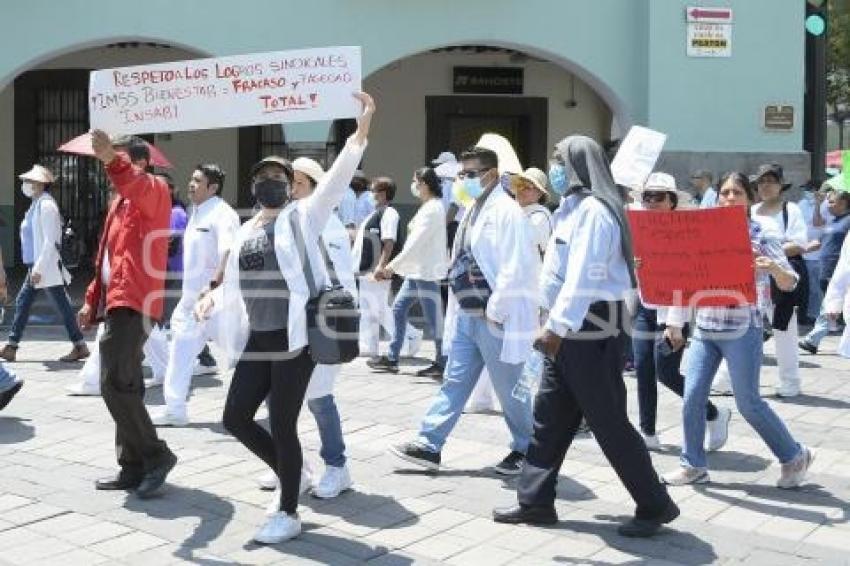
694 257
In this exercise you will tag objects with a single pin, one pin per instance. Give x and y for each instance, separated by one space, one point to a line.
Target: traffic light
815 17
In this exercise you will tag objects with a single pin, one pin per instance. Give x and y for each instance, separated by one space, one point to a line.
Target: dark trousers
266 371
123 389
23 305
652 364
586 380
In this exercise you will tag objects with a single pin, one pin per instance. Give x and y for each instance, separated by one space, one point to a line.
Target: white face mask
414 188
27 189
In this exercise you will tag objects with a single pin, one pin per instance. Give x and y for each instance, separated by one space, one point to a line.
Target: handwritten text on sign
244 90
694 257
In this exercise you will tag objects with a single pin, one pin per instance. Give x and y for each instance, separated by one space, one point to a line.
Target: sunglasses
472 173
654 196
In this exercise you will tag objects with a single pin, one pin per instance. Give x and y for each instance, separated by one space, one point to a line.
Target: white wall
397 143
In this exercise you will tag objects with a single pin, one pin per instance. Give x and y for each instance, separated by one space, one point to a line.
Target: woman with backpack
41 237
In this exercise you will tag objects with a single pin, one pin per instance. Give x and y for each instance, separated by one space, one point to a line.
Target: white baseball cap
309 167
445 157
660 182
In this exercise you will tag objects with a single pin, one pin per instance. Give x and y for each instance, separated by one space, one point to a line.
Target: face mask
370 198
460 194
271 193
414 188
558 178
26 188
473 187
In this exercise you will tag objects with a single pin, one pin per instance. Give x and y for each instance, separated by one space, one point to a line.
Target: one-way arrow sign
709 15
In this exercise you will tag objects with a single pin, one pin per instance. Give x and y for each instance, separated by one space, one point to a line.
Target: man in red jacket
127 293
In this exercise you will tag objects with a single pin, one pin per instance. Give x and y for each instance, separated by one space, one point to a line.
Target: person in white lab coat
41 235
261 309
492 315
206 242
836 300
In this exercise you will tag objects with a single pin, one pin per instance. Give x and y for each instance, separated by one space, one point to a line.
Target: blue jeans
743 357
815 292
23 304
330 430
7 379
477 343
819 330
428 294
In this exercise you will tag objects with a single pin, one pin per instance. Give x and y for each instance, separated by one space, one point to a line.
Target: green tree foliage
838 55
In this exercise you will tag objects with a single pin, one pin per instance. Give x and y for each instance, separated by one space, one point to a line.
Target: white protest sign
243 90
637 155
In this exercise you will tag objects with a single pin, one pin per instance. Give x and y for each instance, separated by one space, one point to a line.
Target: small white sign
243 90
709 40
637 156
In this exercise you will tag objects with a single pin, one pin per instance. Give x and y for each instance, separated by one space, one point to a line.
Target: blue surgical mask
473 187
558 178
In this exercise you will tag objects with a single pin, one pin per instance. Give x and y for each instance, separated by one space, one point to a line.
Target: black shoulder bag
785 301
333 319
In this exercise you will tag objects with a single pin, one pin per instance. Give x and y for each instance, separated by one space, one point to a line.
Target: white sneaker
268 481
684 475
718 430
155 381
303 487
794 472
334 481
279 527
786 392
651 440
82 389
200 369
163 417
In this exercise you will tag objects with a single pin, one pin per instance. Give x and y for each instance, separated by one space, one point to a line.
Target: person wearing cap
833 237
587 273
446 167
423 262
659 335
207 240
10 384
734 334
127 292
490 319
357 204
788 218
701 181
41 236
814 207
274 267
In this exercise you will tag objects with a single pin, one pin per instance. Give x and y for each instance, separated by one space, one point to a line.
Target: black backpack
69 246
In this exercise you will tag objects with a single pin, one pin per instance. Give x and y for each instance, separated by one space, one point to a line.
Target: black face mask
271 193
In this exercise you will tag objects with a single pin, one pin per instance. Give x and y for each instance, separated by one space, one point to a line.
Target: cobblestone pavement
52 447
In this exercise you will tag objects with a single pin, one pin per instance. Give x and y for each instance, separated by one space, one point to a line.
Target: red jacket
136 234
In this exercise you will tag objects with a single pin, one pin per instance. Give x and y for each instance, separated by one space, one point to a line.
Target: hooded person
587 273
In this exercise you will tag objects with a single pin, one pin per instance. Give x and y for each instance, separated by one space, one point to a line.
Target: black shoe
383 363
511 465
435 370
205 358
123 481
537 515
154 479
643 528
7 395
415 453
808 346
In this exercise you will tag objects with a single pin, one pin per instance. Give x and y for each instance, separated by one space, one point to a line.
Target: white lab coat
230 329
338 245
424 256
837 298
47 232
501 247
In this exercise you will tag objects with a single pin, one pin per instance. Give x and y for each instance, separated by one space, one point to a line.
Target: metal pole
819 120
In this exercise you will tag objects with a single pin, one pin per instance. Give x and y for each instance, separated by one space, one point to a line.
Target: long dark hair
429 177
739 179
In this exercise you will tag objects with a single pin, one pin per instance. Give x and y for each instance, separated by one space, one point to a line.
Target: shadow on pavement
314 546
669 544
809 495
364 509
14 430
807 400
732 461
179 502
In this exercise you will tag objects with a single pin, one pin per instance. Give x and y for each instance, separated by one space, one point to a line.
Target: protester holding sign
734 334
583 337
273 269
657 354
